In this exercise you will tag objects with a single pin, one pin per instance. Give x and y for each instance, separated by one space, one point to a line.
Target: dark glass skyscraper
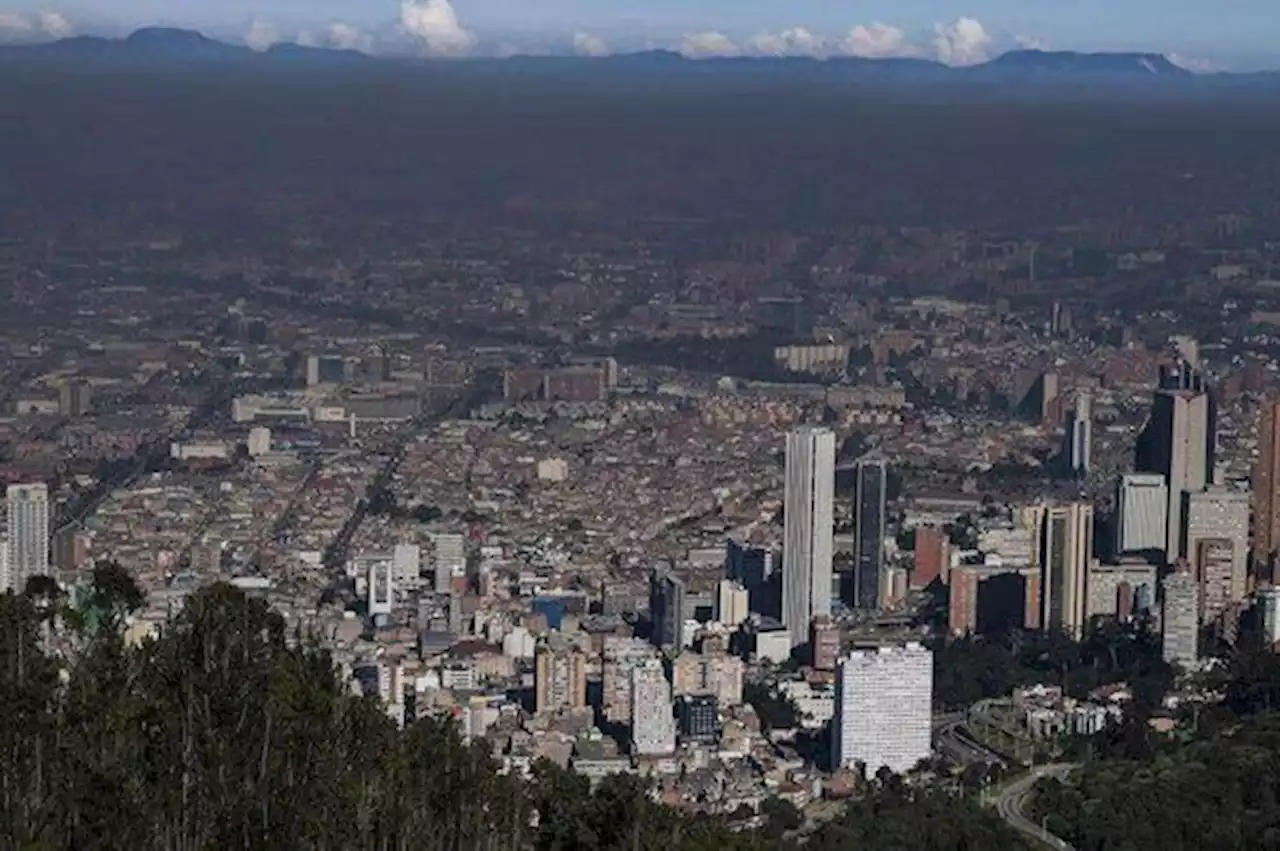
869 525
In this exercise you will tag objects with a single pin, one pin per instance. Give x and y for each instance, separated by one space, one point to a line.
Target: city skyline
955 34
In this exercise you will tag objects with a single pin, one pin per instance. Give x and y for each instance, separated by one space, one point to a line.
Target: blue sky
1228 33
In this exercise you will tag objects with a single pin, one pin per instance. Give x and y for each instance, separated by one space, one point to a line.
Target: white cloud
436 24
1030 42
261 35
14 23
585 44
1190 63
55 25
307 38
708 44
793 42
963 42
877 41
346 37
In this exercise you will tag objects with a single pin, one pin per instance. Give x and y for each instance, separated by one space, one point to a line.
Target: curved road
1015 796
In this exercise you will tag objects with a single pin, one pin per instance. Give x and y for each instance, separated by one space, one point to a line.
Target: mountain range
167 47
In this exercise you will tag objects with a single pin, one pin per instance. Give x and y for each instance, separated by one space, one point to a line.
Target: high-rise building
666 608
1268 602
380 584
560 677
733 603
406 561
28 538
75 395
1065 547
716 674
932 556
1220 515
259 442
871 477
1266 486
699 718
449 560
1077 450
653 728
884 709
1142 513
808 508
825 638
1178 443
621 657
326 369
1180 620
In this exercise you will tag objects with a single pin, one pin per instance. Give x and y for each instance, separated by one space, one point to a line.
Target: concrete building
884 709
75 396
259 442
1180 620
560 677
809 528
653 728
1113 589
1268 602
28 535
932 555
733 603
381 584
717 674
667 608
825 639
406 565
1178 443
1142 513
1221 515
1063 555
1266 486
1077 447
870 481
449 560
621 657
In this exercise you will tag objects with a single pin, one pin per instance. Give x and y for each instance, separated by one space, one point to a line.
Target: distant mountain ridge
160 45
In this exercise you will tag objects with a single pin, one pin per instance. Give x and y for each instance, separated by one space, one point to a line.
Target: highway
1015 796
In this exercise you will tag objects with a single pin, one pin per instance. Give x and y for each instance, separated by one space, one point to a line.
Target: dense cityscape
844 534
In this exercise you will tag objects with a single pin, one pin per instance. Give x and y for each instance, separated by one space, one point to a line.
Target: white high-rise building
808 509
1078 448
1142 509
28 544
259 442
1180 617
450 560
653 724
884 709
732 603
381 583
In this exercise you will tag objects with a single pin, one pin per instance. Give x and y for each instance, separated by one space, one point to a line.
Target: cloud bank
18 26
434 24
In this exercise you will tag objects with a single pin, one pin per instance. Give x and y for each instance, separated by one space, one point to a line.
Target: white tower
381 583
807 537
653 726
884 709
28 545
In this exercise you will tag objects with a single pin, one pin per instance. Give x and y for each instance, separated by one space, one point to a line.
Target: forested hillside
225 734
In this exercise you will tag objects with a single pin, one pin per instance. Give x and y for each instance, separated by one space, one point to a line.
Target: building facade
809 527
884 709
653 728
871 478
28 535
1142 513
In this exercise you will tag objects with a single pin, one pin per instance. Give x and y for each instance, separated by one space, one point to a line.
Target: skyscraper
1180 621
1266 486
666 608
1142 513
1077 447
1219 515
884 709
381 581
653 727
1178 443
869 523
560 676
1064 549
450 560
809 526
28 542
